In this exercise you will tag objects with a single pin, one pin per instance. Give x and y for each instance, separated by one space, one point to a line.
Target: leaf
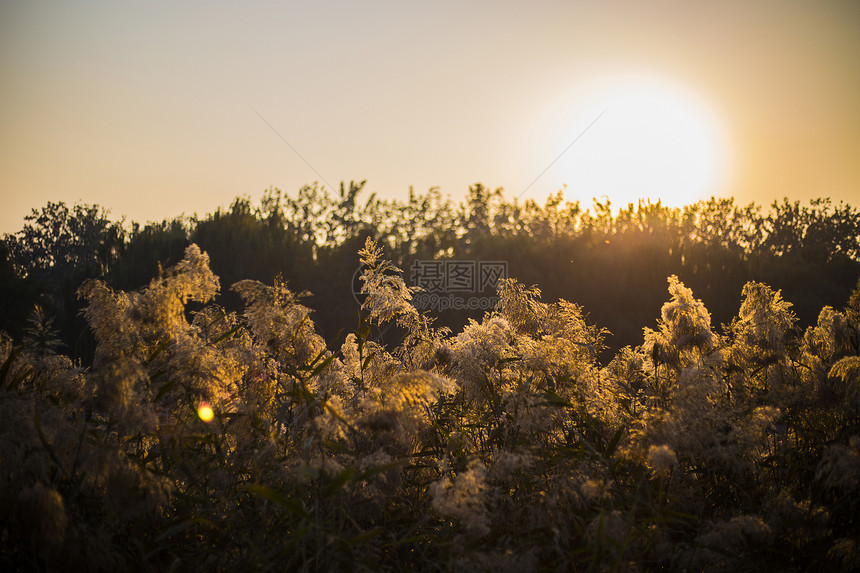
588 346
7 365
309 471
367 360
366 536
337 447
301 323
338 481
376 470
164 390
613 443
553 399
230 332
45 441
18 379
317 358
668 516
289 505
297 536
574 452
180 527
322 366
158 350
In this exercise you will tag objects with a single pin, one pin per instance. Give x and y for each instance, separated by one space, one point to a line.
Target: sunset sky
153 109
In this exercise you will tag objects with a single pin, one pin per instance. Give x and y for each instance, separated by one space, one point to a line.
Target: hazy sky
154 108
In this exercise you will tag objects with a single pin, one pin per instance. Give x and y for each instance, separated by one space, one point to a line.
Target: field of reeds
220 441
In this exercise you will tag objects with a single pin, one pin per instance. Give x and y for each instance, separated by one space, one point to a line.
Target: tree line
612 263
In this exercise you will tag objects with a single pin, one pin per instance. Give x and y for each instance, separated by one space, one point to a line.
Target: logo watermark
451 301
450 284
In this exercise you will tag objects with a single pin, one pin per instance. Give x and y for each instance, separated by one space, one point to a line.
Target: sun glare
648 139
204 410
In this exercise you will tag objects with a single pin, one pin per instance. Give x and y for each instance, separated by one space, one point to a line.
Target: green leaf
613 443
322 366
180 527
158 350
337 447
289 505
309 471
334 413
553 399
681 516
20 378
577 451
670 517
230 332
164 390
7 365
316 359
338 481
45 441
296 536
366 536
376 470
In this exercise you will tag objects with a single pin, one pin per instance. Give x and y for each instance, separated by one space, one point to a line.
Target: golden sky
155 108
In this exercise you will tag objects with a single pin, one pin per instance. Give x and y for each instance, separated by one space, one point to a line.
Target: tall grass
504 447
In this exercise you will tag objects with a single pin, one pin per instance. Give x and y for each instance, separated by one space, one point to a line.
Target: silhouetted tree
57 249
614 265
149 249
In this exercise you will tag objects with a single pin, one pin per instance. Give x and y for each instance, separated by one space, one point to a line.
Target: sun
642 138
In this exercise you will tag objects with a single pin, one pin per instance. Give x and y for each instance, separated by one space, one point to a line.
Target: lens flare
204 410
